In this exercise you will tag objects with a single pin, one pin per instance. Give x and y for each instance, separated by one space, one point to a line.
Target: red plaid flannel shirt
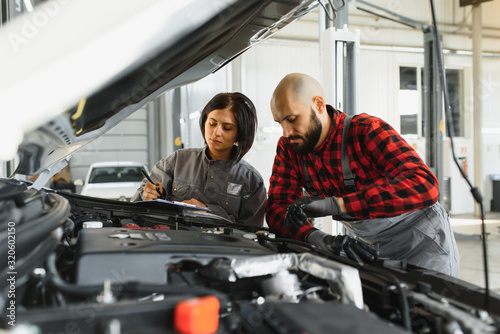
391 179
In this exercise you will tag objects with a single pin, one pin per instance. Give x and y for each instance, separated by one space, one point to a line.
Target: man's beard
311 137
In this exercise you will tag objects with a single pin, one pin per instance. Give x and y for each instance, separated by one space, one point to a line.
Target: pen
149 179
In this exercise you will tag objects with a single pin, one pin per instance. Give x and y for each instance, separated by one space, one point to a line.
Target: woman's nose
218 130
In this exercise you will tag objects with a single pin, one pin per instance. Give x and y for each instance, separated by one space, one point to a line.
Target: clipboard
174 205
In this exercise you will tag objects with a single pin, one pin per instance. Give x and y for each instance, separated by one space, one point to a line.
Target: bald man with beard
385 195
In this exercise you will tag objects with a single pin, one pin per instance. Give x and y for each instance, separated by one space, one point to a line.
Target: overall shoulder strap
307 178
349 176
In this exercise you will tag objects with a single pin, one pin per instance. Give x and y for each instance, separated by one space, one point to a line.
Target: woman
215 176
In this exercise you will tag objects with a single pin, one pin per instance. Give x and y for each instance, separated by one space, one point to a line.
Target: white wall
491 125
264 66
194 98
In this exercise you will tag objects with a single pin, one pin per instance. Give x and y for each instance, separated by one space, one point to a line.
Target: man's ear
319 104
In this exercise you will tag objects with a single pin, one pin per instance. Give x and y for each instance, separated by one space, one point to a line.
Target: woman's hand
152 191
195 202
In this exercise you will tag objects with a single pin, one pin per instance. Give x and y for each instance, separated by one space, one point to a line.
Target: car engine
77 264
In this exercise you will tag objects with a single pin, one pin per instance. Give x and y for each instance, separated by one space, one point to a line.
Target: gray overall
422 237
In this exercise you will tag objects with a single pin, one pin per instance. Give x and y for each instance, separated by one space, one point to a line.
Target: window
116 174
455 83
410 97
408 100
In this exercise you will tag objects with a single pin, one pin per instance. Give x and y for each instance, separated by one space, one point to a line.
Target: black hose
52 217
28 263
403 302
29 233
291 241
449 127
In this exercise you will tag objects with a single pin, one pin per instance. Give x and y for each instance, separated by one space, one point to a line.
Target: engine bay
87 265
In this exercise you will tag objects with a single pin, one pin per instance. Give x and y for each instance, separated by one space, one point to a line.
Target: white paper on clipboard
179 204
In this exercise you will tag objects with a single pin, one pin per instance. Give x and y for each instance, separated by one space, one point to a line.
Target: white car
113 180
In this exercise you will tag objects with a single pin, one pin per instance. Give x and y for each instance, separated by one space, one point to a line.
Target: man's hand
152 191
344 245
354 249
318 206
295 216
309 207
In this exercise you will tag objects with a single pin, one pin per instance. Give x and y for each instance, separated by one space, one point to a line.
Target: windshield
116 174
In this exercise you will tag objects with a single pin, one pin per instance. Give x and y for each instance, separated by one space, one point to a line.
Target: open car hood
76 69
70 71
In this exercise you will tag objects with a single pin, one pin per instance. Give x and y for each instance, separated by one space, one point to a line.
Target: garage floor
467 233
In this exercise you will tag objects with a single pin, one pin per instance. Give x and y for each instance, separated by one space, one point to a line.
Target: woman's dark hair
244 113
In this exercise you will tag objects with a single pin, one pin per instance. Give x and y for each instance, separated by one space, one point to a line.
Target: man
391 206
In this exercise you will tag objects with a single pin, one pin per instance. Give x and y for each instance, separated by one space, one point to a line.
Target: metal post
236 79
433 108
477 51
339 59
153 157
340 17
176 119
161 107
340 69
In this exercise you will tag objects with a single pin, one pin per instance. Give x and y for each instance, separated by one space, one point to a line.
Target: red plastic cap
161 227
131 225
197 315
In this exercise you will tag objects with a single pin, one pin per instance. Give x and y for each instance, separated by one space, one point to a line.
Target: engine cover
131 255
